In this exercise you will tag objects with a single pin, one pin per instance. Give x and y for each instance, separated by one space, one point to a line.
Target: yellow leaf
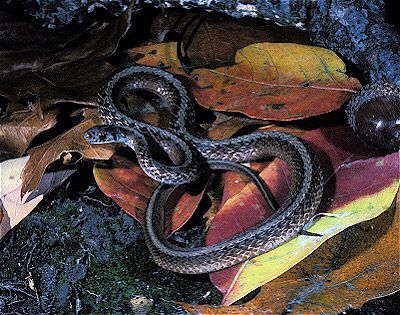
281 81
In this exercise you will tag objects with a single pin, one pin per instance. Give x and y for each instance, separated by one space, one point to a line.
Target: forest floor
79 253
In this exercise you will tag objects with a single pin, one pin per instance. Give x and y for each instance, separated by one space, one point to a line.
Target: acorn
374 115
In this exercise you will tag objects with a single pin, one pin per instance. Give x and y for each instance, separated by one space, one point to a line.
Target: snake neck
155 81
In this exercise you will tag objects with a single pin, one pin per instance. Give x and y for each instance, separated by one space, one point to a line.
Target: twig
11 287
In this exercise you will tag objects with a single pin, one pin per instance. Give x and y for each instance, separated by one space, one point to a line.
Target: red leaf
127 184
351 172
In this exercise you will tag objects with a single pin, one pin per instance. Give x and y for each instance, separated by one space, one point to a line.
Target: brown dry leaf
18 129
224 126
356 265
57 65
71 141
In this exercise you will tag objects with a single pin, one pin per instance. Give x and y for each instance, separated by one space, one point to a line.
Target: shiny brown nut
374 114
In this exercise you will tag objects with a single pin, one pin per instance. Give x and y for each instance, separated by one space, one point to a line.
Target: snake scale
189 153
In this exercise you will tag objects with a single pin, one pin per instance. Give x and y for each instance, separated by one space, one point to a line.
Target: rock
58 14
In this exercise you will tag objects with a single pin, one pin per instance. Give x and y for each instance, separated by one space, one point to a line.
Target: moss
83 257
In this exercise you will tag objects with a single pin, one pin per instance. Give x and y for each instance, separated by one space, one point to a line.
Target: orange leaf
178 213
280 81
127 184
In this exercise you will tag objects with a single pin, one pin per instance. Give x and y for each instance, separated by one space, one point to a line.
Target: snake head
101 134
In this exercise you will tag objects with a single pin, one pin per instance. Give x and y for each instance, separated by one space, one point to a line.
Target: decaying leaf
57 65
280 81
70 141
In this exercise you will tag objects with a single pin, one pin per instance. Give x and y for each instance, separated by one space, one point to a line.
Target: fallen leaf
49 181
280 81
14 208
70 141
361 189
356 265
57 65
225 126
181 208
18 129
210 39
70 67
126 183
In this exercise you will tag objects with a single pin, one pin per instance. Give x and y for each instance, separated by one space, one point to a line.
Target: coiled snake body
188 151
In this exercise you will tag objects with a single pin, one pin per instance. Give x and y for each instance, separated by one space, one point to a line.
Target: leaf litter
73 69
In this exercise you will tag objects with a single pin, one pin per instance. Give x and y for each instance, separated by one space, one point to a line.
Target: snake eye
102 136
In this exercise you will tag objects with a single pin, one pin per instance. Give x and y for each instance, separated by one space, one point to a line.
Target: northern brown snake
189 152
